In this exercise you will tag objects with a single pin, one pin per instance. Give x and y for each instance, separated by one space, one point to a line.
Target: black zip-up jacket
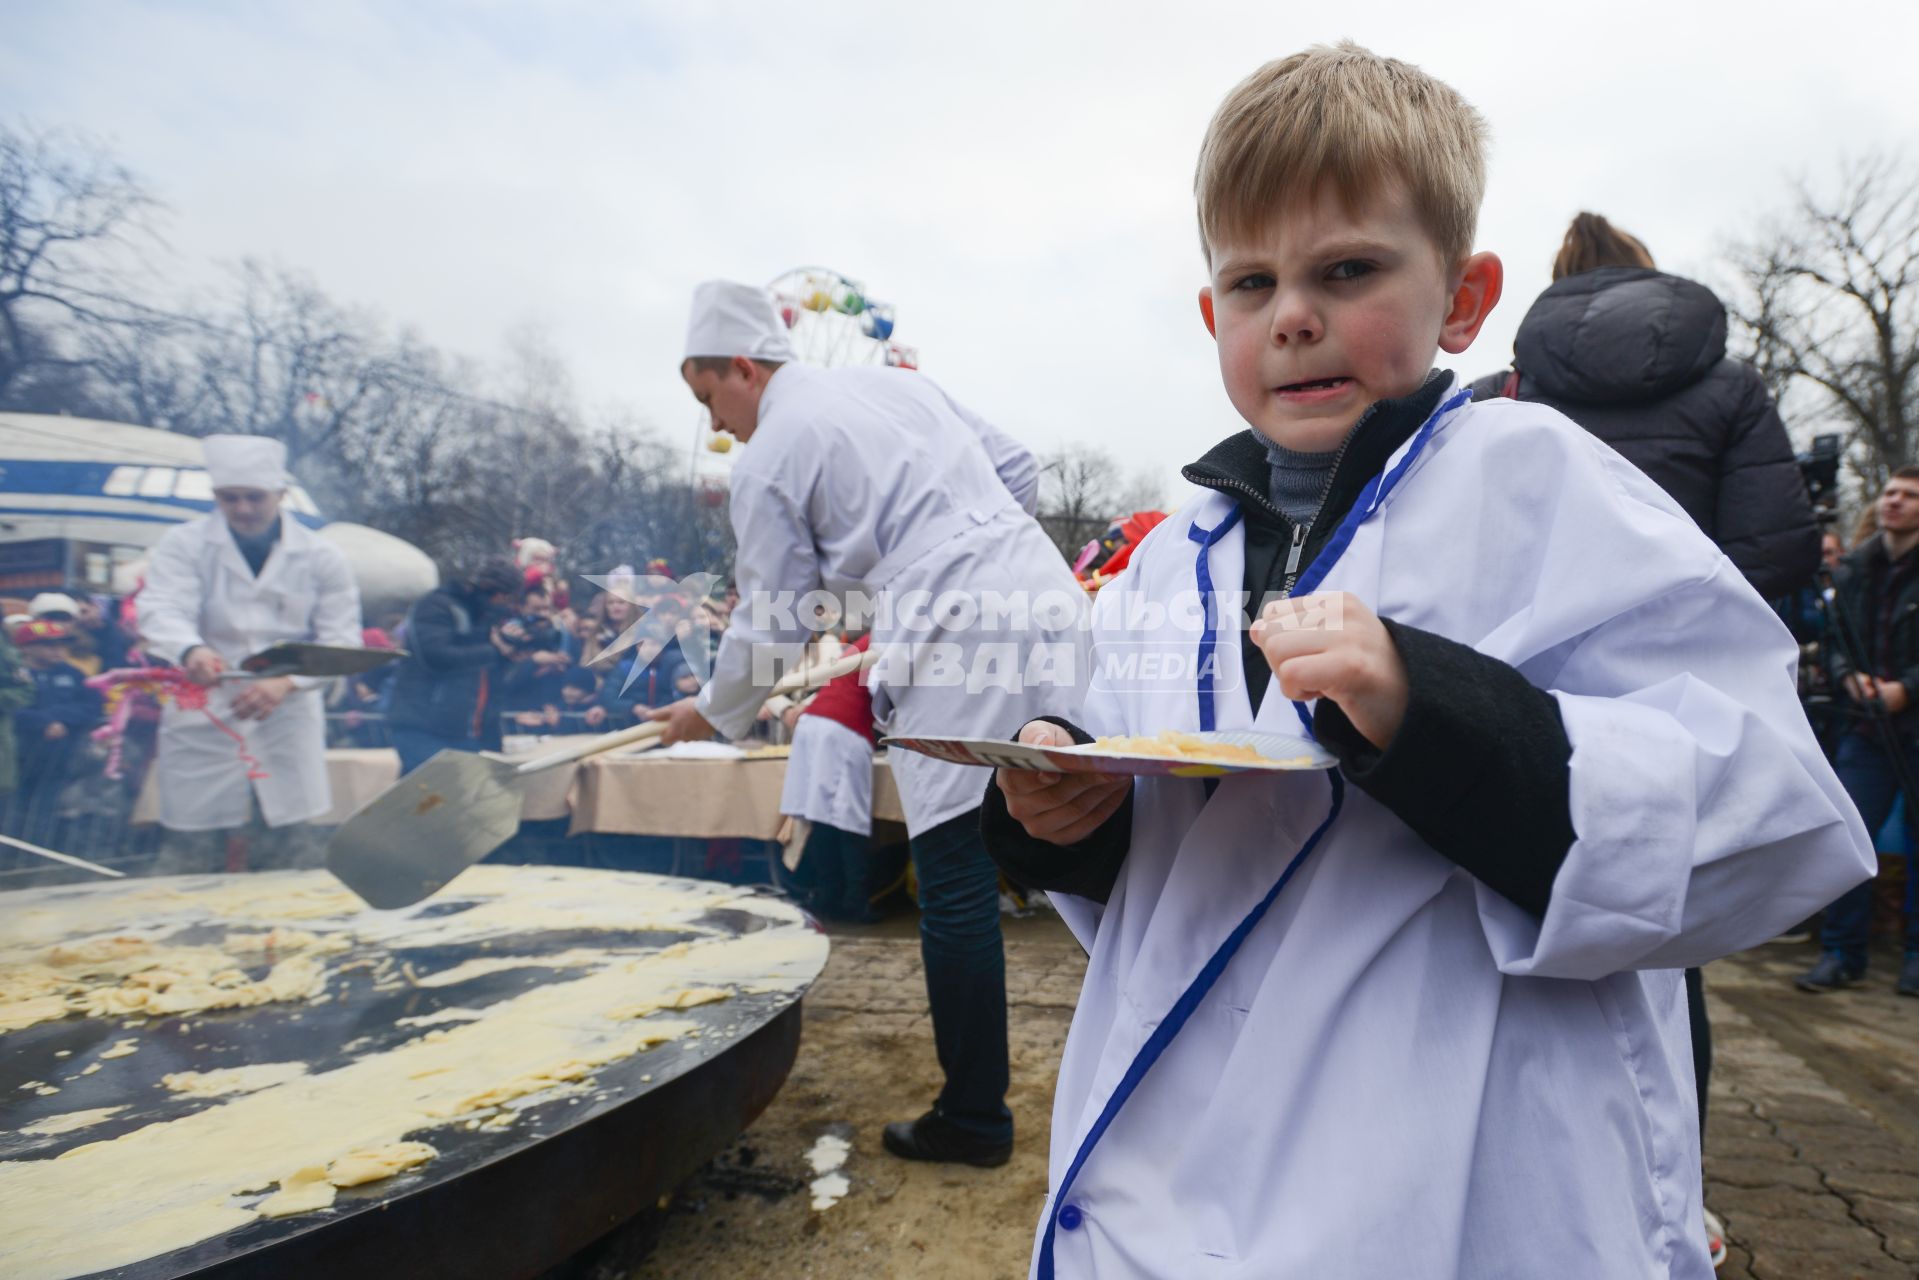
1882 623
1638 358
1481 766
450 682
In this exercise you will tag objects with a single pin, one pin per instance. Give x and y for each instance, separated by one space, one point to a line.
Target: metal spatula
301 658
412 838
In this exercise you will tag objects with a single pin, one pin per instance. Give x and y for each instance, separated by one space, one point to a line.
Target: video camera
1819 468
536 632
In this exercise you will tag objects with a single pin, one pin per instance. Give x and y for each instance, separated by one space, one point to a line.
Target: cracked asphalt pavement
1812 1145
1812 1136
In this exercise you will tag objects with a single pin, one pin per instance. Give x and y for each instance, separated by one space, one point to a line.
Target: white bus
79 497
81 501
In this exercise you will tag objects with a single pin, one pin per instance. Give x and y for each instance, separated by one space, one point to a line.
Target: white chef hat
736 320
246 462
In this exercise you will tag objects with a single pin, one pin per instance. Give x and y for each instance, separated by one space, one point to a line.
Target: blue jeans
965 973
1865 771
416 747
834 867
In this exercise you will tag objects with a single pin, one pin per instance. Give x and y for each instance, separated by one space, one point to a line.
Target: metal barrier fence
81 812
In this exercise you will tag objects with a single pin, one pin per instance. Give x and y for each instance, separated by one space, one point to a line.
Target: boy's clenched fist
1330 645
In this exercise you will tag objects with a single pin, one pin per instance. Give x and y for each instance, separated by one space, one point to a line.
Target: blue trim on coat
1209 633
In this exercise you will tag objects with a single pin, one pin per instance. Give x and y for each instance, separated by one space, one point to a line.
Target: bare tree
1082 490
381 428
65 208
1830 305
290 363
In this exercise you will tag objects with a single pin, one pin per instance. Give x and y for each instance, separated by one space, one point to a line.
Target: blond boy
1420 1015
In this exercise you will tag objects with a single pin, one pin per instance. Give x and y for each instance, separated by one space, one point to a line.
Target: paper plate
1284 753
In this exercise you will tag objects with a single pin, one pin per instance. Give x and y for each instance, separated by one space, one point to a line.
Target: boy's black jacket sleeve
1086 870
1481 767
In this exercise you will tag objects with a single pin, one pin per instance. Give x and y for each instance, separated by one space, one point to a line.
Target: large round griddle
506 1202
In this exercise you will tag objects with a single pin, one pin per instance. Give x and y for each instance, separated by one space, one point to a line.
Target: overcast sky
1014 178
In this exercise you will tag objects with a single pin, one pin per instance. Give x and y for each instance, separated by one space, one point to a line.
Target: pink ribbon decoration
164 684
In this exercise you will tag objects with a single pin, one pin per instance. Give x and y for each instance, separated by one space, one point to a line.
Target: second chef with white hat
218 589
874 484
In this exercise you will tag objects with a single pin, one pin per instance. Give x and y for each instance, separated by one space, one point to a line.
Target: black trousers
965 973
1701 1040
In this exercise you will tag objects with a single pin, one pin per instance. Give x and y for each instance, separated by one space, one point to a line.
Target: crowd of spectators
506 649
51 769
502 650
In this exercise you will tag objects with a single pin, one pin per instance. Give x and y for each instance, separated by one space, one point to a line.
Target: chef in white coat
217 590
876 486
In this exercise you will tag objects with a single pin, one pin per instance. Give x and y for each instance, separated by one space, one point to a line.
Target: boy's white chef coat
1401 1072
876 481
200 590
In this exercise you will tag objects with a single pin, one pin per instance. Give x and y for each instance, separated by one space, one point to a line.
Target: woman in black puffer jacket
1638 358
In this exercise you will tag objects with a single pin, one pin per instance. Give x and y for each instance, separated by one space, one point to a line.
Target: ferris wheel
834 323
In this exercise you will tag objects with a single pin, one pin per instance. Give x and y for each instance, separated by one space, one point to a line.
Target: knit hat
41 631
52 602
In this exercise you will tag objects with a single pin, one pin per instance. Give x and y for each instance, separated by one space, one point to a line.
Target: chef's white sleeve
336 608
1017 468
168 608
775 566
1707 819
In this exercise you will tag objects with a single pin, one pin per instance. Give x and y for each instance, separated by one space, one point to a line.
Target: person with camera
462 640
532 690
1873 655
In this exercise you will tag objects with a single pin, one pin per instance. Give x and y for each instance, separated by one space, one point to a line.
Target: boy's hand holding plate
1060 808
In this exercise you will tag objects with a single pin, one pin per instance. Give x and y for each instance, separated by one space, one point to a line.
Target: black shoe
1830 974
934 1137
1908 984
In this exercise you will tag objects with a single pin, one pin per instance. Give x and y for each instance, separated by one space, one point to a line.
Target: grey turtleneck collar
1298 482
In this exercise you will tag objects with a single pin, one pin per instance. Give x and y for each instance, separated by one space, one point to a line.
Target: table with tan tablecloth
357 774
613 795
656 796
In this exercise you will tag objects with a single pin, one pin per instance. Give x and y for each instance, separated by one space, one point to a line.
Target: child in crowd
53 728
1421 1014
530 694
578 694
539 561
661 679
17 690
58 606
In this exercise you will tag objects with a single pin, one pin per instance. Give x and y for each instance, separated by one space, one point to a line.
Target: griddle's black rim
518 1215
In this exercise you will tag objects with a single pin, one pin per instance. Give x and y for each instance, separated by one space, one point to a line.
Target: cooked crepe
1174 745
